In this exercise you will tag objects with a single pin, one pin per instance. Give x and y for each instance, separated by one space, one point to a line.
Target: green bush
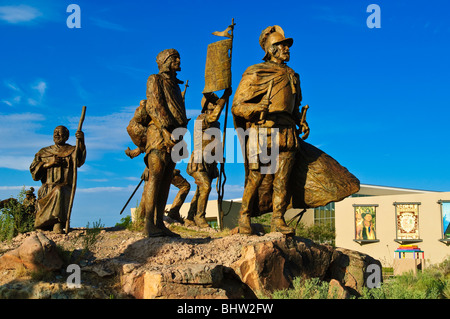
15 217
92 233
321 234
125 222
312 288
430 283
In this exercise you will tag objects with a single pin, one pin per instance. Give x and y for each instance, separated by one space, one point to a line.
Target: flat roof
377 190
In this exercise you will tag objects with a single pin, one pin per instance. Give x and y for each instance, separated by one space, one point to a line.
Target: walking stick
74 182
134 192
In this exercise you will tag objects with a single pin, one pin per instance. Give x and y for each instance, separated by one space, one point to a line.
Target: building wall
430 226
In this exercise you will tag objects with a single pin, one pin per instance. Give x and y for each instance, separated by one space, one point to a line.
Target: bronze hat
273 35
162 56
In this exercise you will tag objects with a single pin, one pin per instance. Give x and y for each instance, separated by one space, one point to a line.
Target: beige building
399 216
418 219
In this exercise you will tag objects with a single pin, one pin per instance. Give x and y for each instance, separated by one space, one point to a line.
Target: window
324 215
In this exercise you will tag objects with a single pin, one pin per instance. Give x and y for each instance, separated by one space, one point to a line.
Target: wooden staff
74 181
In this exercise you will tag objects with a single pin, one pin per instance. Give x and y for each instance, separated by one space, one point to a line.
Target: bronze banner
218 66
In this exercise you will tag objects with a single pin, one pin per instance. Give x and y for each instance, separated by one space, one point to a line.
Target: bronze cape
316 179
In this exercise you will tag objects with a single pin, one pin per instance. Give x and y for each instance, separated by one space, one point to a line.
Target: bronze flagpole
220 184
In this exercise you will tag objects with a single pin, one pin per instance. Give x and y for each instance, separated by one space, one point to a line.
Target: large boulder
255 267
192 281
349 267
37 252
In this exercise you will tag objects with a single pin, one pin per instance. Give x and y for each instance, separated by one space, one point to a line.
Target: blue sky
379 98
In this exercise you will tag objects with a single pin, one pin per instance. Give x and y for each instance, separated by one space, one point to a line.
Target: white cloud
41 86
33 94
106 189
21 163
107 25
105 133
18 14
7 188
19 139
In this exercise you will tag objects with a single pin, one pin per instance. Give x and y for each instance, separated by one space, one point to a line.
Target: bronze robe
54 194
316 179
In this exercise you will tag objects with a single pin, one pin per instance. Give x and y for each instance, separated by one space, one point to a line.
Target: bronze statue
54 167
202 166
151 130
183 190
267 103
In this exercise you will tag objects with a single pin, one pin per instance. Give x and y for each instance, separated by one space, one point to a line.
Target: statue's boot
200 221
166 231
150 229
189 220
57 228
244 224
175 215
278 224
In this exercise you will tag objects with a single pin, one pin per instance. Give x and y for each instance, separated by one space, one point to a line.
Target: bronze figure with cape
269 96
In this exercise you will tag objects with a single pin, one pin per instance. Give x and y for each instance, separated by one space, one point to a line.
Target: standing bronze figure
151 130
201 165
267 103
268 97
54 167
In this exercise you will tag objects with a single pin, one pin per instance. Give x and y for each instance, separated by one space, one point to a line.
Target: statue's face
60 136
175 63
282 53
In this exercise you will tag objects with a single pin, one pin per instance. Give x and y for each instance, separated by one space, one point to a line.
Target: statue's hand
168 139
227 93
263 106
305 130
54 161
79 135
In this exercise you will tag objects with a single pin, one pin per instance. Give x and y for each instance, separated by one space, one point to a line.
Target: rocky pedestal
230 267
257 269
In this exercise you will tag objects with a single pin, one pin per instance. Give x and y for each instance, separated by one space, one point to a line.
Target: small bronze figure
201 165
54 167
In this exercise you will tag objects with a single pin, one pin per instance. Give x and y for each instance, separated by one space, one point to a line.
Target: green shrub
125 222
15 217
321 234
428 284
91 236
312 288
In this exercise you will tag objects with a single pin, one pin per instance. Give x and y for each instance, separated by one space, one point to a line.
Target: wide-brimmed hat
273 35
